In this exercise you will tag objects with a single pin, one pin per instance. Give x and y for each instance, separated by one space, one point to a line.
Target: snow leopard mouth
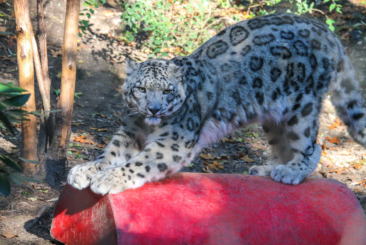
152 120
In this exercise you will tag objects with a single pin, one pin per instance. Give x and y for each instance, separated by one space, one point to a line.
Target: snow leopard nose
154 110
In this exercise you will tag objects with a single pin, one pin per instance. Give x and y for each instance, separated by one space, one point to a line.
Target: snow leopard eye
167 91
141 89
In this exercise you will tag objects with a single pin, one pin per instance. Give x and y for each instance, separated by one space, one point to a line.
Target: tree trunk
56 155
69 51
45 131
26 80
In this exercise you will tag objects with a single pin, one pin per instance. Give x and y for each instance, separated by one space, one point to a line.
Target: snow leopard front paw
79 176
264 170
287 175
113 181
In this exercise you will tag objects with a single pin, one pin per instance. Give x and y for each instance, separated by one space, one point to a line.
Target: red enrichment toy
213 209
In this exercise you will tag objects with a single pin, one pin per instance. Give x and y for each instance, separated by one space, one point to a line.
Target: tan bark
42 44
69 50
43 89
26 80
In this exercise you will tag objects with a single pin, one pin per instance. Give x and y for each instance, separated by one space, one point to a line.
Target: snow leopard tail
347 99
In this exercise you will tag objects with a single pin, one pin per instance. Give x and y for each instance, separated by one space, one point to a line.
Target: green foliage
177 31
90 4
303 7
181 30
12 97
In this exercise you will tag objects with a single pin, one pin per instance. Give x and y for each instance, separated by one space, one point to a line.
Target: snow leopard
272 70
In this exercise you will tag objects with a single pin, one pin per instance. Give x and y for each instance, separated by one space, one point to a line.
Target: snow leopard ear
132 66
179 71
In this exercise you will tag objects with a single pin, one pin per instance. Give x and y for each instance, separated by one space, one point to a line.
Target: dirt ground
97 116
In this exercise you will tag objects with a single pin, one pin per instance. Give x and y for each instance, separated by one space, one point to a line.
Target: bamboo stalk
26 81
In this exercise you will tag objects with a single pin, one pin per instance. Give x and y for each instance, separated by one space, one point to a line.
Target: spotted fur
273 70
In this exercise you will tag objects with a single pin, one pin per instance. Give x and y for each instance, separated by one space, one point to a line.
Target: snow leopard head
154 89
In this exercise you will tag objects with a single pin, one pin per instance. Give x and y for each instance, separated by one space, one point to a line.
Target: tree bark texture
44 81
68 78
42 44
26 80
56 156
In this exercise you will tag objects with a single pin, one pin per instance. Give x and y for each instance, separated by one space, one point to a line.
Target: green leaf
16 116
158 42
325 1
18 112
5 120
80 35
329 22
332 6
6 33
87 14
4 185
3 170
131 38
17 100
77 95
10 163
91 11
29 161
8 89
40 114
23 178
85 23
15 178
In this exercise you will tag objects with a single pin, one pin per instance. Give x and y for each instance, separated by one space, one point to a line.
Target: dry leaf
206 169
101 146
363 183
247 159
228 140
92 128
357 166
2 28
8 235
335 125
206 156
77 124
215 165
2 217
56 53
339 170
258 146
4 58
102 129
333 140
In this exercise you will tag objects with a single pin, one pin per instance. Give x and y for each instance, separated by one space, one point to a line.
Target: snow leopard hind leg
294 151
348 101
